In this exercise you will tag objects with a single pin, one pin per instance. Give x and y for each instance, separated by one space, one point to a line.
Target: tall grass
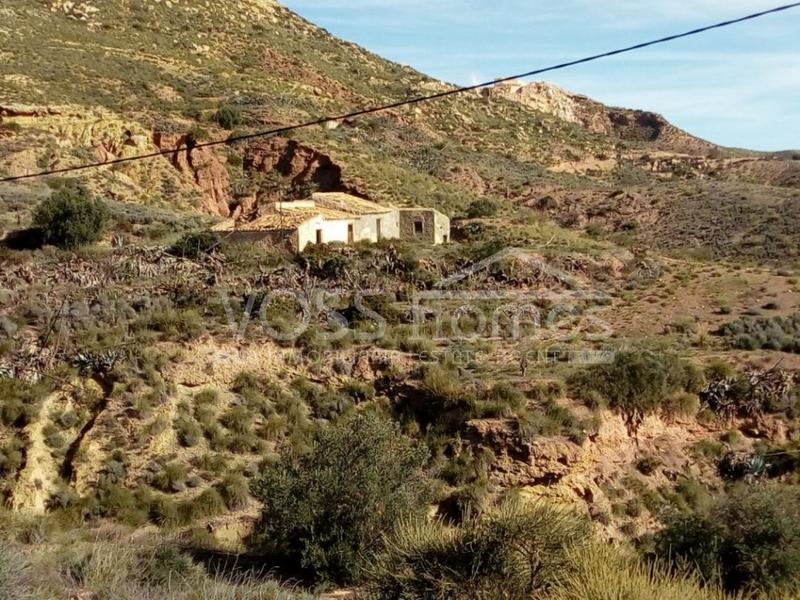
145 569
15 574
604 573
514 552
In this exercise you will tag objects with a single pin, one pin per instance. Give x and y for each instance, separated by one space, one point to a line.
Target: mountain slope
93 81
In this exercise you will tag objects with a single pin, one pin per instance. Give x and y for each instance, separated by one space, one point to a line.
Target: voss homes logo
550 306
513 295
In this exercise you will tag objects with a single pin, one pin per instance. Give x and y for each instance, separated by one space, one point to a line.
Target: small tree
195 245
482 208
637 383
70 218
228 117
328 510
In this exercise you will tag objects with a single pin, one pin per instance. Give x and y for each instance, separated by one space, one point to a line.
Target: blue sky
737 87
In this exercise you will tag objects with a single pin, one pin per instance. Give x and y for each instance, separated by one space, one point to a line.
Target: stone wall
424 224
412 219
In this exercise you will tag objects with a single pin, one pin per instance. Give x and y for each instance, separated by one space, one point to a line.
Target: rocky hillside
638 360
620 123
114 79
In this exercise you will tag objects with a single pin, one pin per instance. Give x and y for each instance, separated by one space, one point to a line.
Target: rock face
297 162
624 124
204 167
523 462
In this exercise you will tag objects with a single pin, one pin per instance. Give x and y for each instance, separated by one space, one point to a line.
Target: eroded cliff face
621 123
42 138
36 138
205 167
587 475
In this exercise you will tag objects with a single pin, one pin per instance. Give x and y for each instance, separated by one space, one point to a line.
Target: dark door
319 236
379 233
351 234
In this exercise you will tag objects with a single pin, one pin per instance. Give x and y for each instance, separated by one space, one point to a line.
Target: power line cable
412 101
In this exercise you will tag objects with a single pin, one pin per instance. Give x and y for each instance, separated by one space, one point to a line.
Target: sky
738 86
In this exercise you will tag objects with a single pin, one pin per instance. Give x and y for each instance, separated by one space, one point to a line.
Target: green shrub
358 391
323 261
637 383
70 218
482 208
208 504
680 404
444 385
15 574
195 245
164 512
323 512
502 400
125 505
171 478
19 402
770 333
167 566
11 456
235 491
514 552
176 324
238 419
228 117
465 503
748 539
445 399
606 573
550 420
189 432
68 419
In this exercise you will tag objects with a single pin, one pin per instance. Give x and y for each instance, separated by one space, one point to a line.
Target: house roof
349 203
287 217
333 206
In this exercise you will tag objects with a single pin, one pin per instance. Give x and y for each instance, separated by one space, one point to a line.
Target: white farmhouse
336 217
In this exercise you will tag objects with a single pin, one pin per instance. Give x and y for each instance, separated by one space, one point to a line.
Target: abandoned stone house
336 217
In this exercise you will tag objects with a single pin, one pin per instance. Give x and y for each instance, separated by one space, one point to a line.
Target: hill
89 82
613 329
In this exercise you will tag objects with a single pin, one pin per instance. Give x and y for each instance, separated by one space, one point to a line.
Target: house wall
435 225
332 231
395 224
366 227
442 228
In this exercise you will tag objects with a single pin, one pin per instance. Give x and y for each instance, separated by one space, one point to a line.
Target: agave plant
6 371
89 363
736 466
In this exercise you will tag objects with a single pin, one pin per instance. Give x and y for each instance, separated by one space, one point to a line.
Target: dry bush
513 552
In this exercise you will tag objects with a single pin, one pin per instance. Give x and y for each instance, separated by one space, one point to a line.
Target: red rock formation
297 162
206 169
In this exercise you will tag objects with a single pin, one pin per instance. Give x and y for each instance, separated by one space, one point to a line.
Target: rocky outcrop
206 169
624 124
299 163
520 461
617 210
20 110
